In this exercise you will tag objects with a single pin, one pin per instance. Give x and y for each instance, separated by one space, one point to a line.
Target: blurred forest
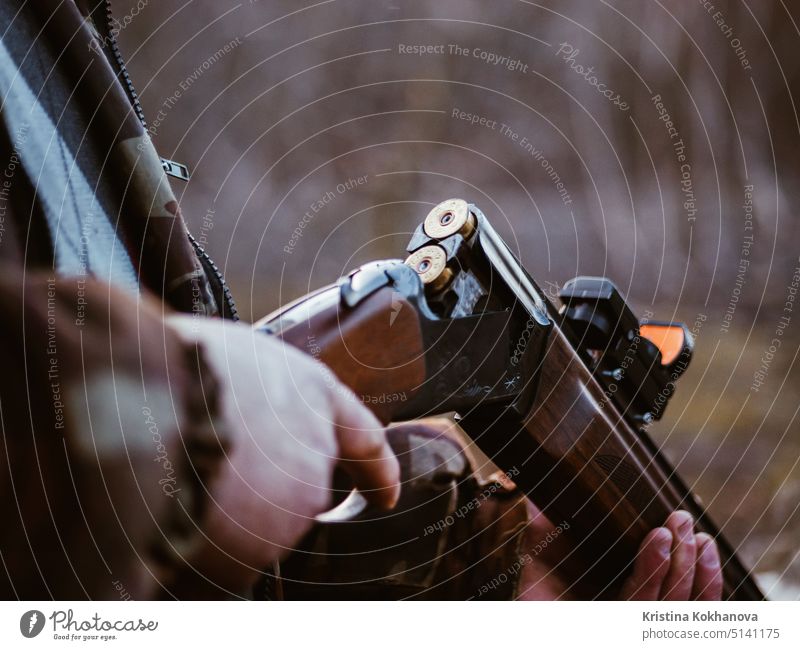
654 142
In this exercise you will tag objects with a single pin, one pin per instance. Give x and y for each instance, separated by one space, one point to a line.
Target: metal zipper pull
175 169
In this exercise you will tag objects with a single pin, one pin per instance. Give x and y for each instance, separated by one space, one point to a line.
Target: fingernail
685 524
708 556
662 541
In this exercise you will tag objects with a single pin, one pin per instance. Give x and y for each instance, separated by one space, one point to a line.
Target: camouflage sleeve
109 441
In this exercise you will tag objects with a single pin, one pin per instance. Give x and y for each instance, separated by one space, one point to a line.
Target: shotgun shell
430 263
448 218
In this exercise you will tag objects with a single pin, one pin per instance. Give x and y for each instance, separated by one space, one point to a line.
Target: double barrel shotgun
561 396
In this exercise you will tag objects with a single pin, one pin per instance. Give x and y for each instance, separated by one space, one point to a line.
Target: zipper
229 311
110 40
171 167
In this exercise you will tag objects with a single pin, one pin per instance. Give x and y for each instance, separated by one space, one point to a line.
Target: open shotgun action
560 396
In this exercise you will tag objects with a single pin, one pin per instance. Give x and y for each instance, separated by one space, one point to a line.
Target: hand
673 563
291 422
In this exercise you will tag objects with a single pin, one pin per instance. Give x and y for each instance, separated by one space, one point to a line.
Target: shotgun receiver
560 396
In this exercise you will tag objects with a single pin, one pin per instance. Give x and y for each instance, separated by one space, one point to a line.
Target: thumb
364 452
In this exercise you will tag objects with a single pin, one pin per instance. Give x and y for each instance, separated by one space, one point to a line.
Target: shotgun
561 396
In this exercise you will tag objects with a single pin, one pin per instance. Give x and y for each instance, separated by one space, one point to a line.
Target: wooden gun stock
376 349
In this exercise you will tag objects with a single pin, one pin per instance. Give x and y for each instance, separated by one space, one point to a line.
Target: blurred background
652 142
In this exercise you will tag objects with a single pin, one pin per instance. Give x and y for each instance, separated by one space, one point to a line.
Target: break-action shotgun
563 396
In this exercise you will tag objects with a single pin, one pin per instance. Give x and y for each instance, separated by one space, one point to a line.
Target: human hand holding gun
291 424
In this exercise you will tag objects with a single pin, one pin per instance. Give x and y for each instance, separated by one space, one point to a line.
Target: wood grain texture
581 462
375 349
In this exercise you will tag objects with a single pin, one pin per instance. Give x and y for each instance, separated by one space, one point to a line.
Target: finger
679 580
364 452
708 569
651 567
